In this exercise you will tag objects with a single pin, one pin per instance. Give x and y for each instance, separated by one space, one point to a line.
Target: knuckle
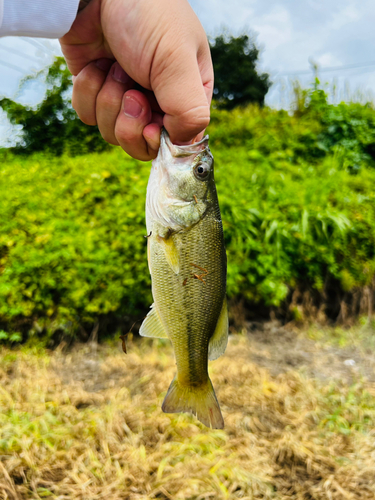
138 155
189 123
137 151
197 118
123 137
130 138
109 101
83 107
86 118
108 136
126 134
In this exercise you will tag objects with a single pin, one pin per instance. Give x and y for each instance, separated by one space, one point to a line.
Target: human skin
140 65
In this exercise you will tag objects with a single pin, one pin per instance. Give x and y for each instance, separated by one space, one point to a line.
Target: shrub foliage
297 201
72 246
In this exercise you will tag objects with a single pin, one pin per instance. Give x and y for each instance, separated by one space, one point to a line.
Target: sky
337 36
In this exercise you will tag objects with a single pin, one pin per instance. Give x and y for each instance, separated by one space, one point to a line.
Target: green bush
295 215
72 246
294 225
347 128
300 216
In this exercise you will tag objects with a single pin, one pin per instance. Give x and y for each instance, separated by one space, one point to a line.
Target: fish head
180 184
185 170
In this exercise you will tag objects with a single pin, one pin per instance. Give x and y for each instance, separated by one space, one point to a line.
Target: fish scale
187 262
196 304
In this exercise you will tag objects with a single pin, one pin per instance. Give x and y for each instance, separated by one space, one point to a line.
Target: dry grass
88 425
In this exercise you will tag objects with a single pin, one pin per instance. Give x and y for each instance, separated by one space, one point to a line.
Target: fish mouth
176 151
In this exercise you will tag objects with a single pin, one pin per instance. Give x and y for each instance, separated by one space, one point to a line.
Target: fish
188 267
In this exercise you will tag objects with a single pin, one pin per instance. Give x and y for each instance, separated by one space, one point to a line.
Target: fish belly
189 303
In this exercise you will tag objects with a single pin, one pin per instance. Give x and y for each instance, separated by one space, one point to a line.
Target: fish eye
201 171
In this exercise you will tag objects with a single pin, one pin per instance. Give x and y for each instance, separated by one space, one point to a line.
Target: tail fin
200 401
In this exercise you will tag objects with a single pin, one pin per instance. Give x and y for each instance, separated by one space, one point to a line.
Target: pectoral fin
219 340
171 253
152 325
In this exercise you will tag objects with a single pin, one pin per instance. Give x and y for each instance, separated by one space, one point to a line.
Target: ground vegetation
297 201
86 423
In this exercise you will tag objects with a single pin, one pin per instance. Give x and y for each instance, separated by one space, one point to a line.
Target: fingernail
104 64
119 74
132 107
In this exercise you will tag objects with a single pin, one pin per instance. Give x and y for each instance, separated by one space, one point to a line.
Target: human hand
162 76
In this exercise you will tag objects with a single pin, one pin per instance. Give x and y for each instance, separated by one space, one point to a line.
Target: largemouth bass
187 262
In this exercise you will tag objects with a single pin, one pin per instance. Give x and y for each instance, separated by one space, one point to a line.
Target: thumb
183 89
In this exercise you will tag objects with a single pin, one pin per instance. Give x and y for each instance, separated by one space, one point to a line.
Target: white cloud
21 56
274 28
215 14
347 15
328 59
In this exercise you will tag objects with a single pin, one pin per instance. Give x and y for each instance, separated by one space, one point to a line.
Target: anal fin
152 325
219 340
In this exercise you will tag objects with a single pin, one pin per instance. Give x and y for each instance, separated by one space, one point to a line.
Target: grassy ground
86 423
